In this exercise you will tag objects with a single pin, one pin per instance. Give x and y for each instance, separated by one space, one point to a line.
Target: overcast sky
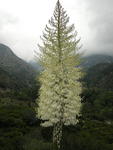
22 23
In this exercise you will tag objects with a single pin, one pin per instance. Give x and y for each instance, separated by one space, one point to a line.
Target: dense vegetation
20 129
100 76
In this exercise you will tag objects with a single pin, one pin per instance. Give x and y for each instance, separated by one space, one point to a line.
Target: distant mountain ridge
14 69
86 61
98 71
93 60
16 73
100 76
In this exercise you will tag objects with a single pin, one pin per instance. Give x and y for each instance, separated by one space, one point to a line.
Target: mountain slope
36 65
93 60
100 76
16 72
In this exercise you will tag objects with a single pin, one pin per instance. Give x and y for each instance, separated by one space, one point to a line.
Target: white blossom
60 87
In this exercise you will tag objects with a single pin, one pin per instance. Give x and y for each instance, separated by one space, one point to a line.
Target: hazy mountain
14 72
36 65
87 61
93 60
100 76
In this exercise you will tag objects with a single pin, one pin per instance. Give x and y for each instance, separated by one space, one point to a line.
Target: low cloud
101 26
6 19
21 25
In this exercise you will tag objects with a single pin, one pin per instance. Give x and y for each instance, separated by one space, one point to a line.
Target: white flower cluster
60 91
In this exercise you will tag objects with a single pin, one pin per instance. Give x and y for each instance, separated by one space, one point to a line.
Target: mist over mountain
94 59
35 65
16 73
86 61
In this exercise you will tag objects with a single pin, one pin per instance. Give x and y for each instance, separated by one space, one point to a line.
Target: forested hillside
15 70
18 91
100 76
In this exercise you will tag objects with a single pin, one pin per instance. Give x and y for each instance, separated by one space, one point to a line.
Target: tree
59 102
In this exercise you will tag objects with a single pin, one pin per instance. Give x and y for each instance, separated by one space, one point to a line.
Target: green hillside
15 71
100 76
